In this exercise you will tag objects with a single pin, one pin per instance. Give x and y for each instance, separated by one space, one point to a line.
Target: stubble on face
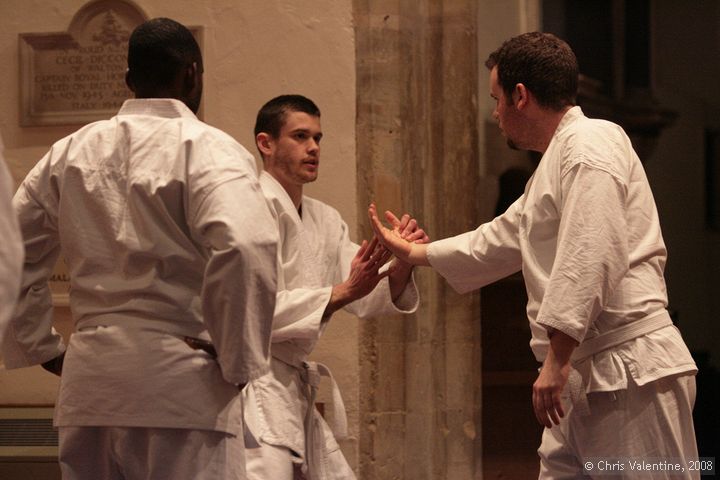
297 149
504 112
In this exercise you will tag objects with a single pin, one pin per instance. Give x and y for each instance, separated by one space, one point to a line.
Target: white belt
310 374
604 341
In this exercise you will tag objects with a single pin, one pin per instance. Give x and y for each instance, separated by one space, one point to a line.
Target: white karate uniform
144 209
11 249
315 254
587 237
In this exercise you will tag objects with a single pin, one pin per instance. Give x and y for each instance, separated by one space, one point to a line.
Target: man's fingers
362 249
384 256
558 407
418 234
404 222
547 407
550 408
538 409
371 248
384 274
392 219
410 227
379 256
375 222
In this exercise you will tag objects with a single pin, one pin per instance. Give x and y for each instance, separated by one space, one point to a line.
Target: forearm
340 296
417 255
400 275
547 389
561 348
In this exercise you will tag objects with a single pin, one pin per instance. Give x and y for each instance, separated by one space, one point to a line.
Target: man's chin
512 145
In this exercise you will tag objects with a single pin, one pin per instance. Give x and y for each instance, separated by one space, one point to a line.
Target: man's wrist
339 297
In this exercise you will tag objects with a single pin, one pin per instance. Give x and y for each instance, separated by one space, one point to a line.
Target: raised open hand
393 239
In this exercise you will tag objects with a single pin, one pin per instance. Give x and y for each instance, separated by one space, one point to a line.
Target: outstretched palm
393 239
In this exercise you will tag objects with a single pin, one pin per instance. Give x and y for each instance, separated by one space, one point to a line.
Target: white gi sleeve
474 259
238 295
30 338
299 313
11 250
592 250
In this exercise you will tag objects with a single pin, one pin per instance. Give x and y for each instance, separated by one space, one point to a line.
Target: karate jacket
315 253
586 235
165 233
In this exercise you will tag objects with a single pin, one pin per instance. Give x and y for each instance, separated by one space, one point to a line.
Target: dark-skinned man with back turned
171 254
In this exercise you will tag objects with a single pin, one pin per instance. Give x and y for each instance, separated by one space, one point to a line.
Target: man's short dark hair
542 62
158 49
271 116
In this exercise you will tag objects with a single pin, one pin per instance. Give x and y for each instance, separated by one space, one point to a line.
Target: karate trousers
652 422
278 463
266 461
134 453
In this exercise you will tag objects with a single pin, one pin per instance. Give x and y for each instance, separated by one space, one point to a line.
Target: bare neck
294 191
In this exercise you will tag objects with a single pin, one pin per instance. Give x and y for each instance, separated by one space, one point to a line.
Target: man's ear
190 77
263 141
520 96
128 81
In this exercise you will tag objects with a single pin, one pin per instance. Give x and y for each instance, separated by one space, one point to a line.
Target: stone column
417 151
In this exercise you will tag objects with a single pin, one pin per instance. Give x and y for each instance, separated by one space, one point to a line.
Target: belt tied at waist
311 373
605 341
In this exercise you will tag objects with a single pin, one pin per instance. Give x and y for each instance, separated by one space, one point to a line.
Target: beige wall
253 51
498 20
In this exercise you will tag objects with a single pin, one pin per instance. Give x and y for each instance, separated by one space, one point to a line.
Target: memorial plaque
78 76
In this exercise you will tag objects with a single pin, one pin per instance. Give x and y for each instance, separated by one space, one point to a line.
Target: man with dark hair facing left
320 271
171 252
617 383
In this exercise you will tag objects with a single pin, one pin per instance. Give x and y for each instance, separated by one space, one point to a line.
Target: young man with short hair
321 271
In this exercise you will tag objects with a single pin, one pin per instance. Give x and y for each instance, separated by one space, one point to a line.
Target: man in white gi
617 379
11 249
144 209
321 271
